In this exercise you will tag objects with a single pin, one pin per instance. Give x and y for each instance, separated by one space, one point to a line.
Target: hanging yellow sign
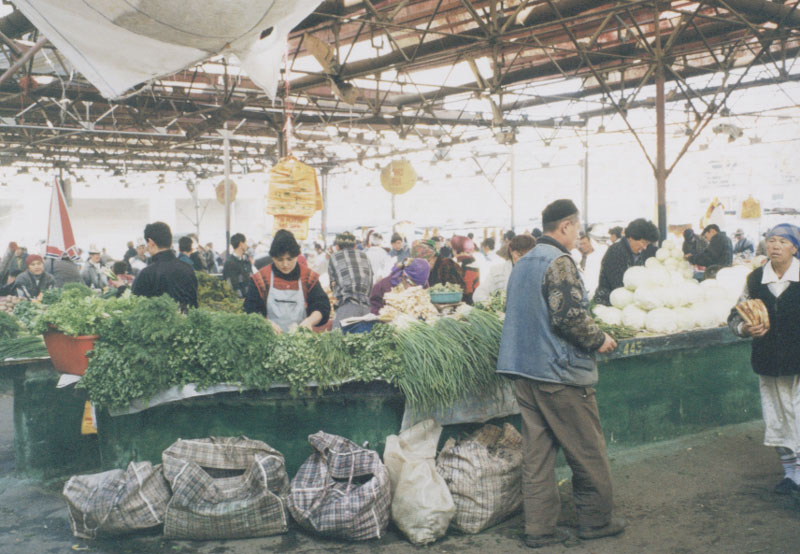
398 177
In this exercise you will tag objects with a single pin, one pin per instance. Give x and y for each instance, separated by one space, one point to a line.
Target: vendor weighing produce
286 292
623 254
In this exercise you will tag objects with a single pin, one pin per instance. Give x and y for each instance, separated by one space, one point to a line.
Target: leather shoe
787 486
610 529
538 541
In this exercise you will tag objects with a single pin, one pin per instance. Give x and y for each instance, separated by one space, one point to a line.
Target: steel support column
661 144
324 223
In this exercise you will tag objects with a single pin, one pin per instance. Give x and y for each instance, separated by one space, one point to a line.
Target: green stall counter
650 389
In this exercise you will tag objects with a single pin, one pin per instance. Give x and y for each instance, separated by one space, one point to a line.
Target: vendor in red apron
286 292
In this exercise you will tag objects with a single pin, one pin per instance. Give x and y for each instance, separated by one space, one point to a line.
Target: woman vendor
412 272
34 281
776 347
286 292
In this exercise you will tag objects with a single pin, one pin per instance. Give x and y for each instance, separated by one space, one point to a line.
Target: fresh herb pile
147 346
27 313
216 294
495 304
151 347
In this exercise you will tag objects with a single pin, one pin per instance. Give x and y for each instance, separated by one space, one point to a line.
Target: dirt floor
706 493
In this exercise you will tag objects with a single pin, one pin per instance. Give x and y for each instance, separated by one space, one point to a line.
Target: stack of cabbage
662 297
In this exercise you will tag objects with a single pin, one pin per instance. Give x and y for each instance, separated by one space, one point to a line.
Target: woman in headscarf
446 270
776 347
412 272
286 291
464 249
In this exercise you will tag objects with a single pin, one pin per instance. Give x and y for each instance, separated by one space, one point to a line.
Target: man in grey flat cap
548 346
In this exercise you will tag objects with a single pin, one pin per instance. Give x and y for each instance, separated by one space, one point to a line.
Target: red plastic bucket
68 354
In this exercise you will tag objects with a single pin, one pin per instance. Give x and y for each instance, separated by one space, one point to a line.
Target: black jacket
718 252
778 352
616 261
238 272
167 274
29 286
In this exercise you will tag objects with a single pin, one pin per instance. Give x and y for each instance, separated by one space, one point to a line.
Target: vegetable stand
650 389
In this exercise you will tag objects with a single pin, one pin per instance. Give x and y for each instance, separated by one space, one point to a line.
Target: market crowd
549 338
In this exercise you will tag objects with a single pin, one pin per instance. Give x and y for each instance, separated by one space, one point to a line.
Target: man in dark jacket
743 245
64 270
165 274
238 269
623 254
719 251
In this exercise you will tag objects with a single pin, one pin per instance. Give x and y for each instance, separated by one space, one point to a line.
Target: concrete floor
706 493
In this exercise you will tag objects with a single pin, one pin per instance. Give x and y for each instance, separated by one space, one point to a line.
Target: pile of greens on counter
496 303
151 347
445 287
216 294
15 343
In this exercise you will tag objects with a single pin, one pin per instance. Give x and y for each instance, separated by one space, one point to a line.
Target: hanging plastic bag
484 475
422 505
342 490
225 488
116 502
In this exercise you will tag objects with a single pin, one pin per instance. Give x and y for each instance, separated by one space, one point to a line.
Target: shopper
286 292
165 274
351 277
64 270
621 255
92 273
445 270
413 272
499 272
743 247
185 250
379 259
718 253
776 348
238 269
32 282
547 346
399 250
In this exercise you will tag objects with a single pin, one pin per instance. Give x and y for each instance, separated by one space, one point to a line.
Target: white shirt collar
792 274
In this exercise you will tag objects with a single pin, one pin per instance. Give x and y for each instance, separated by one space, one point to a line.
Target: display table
650 389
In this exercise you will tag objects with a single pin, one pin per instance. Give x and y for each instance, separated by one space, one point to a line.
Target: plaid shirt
351 276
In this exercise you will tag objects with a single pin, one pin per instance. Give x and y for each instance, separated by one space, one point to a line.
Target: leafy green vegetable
495 304
27 313
216 294
445 287
617 332
22 347
9 327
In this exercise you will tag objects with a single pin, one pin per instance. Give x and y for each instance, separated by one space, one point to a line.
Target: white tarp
117 44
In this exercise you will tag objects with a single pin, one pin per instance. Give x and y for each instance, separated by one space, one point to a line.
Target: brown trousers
565 416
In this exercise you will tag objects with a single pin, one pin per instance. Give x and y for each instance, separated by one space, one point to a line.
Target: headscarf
33 258
422 250
417 270
789 232
462 244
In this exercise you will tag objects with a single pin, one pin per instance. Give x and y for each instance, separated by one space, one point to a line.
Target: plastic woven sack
342 490
484 475
225 488
116 502
422 505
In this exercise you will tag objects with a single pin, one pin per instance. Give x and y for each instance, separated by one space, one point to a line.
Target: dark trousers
565 416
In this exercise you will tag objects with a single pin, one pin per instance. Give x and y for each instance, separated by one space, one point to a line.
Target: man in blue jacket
548 345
